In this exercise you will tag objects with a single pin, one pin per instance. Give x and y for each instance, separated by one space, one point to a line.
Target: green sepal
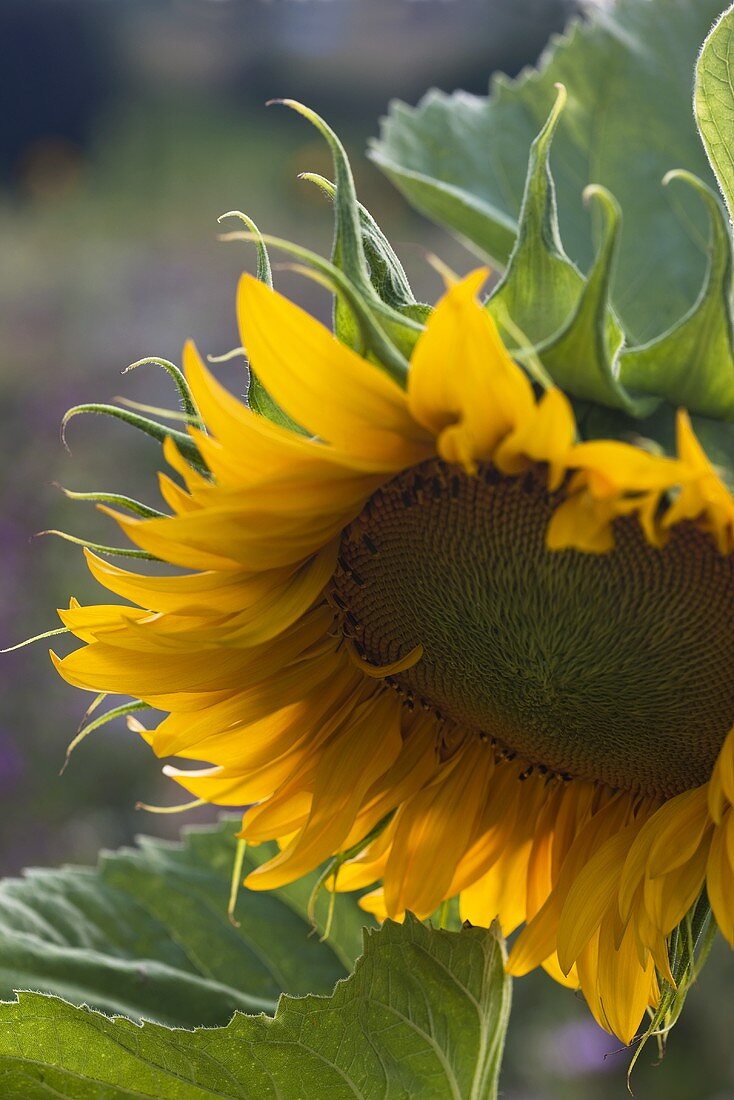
347 250
688 949
582 358
558 317
541 286
264 270
348 253
260 401
386 272
36 638
258 398
418 312
118 500
692 364
121 711
101 548
377 321
350 260
157 431
186 397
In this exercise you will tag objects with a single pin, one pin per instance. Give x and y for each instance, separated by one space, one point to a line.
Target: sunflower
428 629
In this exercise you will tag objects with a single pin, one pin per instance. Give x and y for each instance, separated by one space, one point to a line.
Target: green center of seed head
616 668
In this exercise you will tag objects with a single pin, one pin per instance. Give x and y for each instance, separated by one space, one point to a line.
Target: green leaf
146 933
714 102
424 1015
628 70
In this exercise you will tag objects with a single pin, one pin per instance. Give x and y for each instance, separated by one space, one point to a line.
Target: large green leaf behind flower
628 70
714 102
423 1015
146 933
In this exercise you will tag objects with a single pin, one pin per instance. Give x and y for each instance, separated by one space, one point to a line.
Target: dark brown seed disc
613 667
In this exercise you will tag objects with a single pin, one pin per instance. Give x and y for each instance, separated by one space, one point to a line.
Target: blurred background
126 129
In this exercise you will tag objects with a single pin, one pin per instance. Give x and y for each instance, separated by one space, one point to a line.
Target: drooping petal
471 405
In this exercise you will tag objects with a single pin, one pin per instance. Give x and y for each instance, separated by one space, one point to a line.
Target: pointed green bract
582 358
356 295
348 245
374 317
692 364
560 317
258 398
117 500
541 286
386 272
159 432
423 1015
348 251
690 944
186 397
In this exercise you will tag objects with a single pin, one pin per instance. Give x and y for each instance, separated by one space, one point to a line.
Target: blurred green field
108 218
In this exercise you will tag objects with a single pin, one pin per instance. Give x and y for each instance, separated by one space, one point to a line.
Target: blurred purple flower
12 763
580 1047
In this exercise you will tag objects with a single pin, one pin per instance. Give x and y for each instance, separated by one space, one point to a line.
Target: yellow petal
703 495
102 667
494 828
720 878
228 540
230 787
677 829
624 986
669 897
204 592
537 941
463 385
582 523
374 903
501 893
349 764
414 767
612 468
591 896
721 784
323 384
435 827
547 435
